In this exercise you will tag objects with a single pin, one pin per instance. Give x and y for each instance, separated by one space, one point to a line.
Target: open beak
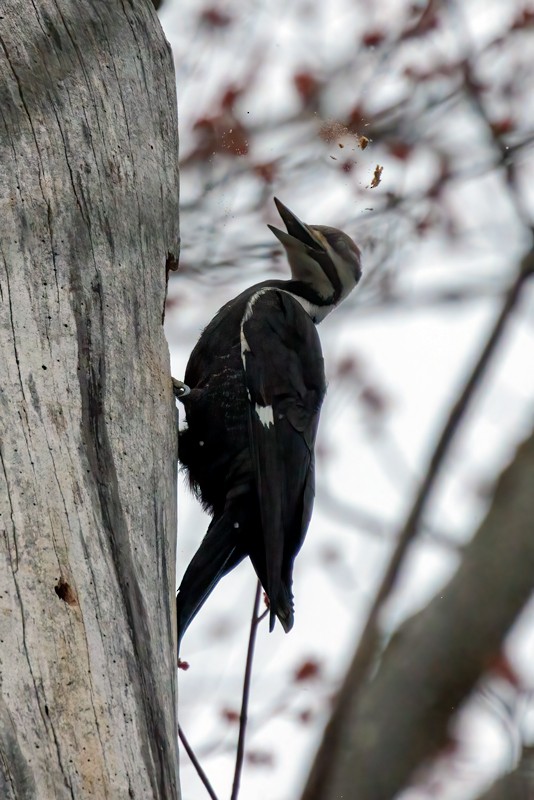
296 230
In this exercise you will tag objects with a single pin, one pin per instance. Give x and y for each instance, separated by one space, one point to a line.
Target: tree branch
337 729
196 763
240 754
434 660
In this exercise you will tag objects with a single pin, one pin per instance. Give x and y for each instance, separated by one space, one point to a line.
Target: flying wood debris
332 129
377 176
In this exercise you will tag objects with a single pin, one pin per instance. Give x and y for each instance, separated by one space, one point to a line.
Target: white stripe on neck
317 313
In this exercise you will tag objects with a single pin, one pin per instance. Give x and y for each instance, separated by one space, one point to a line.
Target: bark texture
400 718
88 219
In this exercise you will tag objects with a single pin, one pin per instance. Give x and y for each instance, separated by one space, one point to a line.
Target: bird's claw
180 388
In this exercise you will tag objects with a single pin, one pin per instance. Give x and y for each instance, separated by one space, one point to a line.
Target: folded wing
284 376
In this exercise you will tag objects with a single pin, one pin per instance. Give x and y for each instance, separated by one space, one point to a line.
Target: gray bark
88 219
400 718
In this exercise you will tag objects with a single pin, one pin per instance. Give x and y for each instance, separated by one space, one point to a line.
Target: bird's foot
179 388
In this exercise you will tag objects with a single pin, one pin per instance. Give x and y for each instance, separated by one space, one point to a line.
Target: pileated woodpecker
256 380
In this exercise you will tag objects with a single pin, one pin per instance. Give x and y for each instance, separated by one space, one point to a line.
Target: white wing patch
250 305
244 346
246 316
265 415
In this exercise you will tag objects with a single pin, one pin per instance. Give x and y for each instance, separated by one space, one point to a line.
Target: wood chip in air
377 176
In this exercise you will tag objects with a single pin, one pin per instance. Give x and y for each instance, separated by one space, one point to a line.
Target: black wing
284 376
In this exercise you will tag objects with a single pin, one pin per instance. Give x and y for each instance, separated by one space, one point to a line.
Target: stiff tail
278 590
282 608
218 553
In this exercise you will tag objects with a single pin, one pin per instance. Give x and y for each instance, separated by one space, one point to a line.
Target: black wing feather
284 376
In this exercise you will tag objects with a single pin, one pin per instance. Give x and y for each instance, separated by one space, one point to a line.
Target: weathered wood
88 216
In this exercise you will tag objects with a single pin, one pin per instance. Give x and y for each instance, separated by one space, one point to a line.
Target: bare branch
336 731
435 659
240 754
196 763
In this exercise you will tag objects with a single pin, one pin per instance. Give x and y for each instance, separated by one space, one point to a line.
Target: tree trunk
88 217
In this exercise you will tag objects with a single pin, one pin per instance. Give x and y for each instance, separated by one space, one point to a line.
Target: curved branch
435 659
338 728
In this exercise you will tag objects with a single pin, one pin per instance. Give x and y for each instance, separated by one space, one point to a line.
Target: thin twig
196 763
240 753
262 616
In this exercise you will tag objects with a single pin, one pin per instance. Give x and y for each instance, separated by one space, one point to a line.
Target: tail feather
282 608
218 553
229 538
278 588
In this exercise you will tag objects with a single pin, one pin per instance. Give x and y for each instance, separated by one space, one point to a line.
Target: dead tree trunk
88 217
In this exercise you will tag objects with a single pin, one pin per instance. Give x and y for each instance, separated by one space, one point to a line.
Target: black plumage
257 382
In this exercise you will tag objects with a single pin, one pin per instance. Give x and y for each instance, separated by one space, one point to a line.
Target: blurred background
410 126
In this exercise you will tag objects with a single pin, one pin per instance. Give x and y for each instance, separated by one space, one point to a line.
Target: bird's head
324 258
